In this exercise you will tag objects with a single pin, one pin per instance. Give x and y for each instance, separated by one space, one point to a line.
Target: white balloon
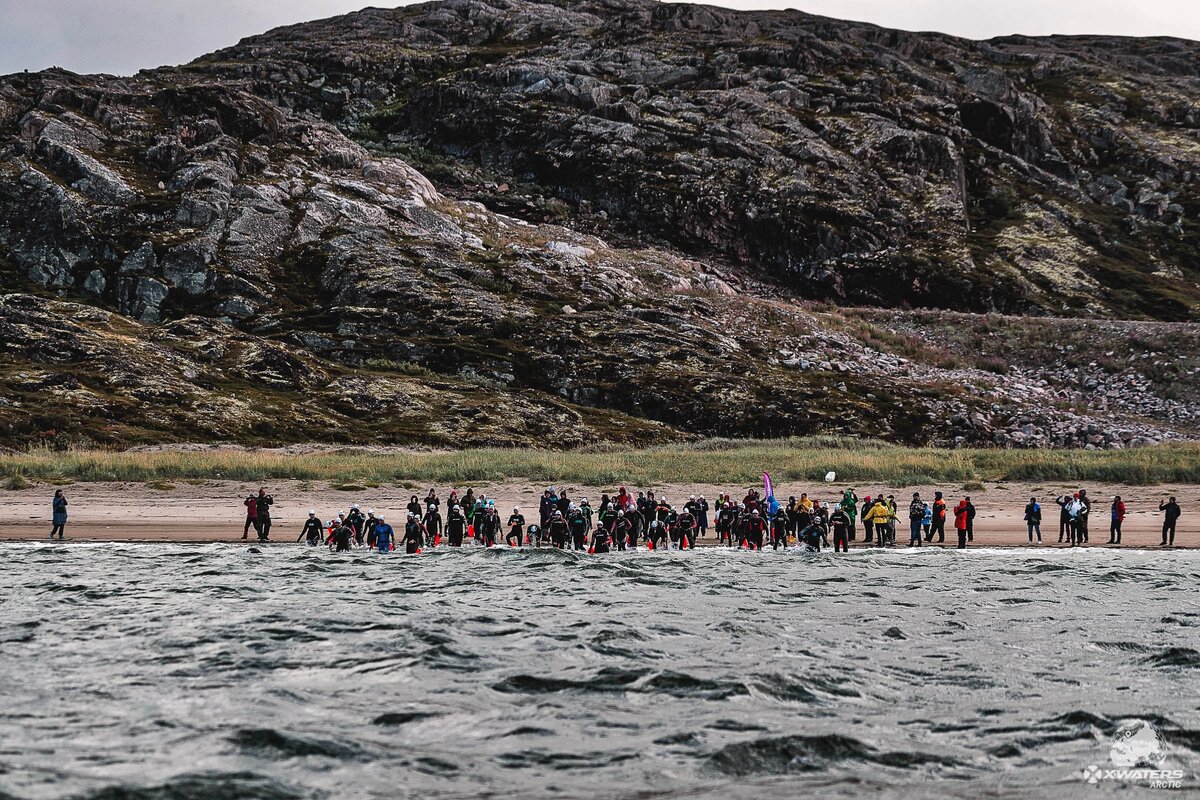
830 477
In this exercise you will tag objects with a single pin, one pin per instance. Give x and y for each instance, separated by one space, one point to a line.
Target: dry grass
710 461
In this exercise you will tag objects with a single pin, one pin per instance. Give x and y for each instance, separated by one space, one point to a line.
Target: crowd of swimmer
621 521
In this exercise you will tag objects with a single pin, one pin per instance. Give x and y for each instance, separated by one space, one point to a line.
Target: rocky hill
617 220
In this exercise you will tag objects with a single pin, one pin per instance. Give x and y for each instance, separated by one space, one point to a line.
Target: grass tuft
16 482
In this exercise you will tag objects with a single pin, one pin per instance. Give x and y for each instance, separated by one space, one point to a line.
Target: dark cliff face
1048 176
518 222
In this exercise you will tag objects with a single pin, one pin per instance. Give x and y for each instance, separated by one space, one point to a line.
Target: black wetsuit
488 526
433 525
516 530
779 531
725 519
456 529
312 531
686 525
414 536
812 536
601 539
755 530
355 520
342 535
558 532
840 522
620 532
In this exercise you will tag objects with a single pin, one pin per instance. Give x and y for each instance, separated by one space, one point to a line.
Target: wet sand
212 511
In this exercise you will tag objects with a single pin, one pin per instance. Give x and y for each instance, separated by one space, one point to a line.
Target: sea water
213 671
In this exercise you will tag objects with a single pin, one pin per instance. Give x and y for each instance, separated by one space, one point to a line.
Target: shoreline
211 511
701 545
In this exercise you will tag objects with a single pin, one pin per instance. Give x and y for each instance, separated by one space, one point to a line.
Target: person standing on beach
939 519
1033 519
970 521
1065 524
262 510
1070 509
961 512
849 504
878 515
1116 518
58 519
251 504
702 516
1171 514
916 516
1081 517
868 520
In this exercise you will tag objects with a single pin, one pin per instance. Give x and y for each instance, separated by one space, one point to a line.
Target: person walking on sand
251 504
961 513
1033 519
1116 517
58 520
1171 514
262 510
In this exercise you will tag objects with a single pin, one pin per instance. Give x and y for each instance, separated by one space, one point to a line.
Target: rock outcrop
515 222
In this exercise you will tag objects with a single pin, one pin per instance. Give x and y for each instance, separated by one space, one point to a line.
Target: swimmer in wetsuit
384 536
516 528
312 530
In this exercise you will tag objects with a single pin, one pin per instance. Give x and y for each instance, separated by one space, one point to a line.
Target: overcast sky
123 36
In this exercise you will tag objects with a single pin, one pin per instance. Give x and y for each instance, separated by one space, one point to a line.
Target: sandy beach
212 511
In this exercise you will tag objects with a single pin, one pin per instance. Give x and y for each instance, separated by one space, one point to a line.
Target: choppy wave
178 672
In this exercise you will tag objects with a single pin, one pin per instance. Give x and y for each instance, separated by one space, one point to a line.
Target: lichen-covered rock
518 223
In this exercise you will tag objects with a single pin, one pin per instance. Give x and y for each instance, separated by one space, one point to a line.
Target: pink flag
768 490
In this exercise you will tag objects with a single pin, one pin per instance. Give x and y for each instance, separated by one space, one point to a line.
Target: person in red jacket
961 512
251 504
1118 516
939 519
